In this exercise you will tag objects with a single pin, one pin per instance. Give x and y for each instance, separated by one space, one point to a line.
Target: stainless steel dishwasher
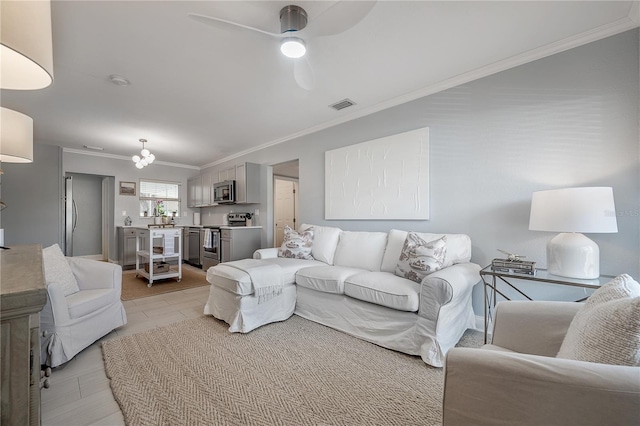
194 246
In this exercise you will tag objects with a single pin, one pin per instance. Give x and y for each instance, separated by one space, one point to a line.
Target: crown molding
120 157
627 23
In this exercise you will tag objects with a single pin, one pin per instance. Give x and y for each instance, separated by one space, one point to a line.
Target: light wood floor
80 393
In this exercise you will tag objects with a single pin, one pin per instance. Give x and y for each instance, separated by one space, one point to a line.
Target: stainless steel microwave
224 192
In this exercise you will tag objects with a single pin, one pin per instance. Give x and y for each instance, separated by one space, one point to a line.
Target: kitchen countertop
240 227
194 226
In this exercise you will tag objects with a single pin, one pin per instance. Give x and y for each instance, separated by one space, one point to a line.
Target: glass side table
491 279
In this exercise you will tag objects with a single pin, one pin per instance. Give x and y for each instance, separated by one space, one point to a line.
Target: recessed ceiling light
119 80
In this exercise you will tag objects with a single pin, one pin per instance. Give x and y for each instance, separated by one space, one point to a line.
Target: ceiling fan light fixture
293 47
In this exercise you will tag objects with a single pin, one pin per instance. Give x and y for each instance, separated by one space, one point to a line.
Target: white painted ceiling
203 93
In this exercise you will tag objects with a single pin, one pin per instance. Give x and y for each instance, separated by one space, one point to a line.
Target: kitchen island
155 249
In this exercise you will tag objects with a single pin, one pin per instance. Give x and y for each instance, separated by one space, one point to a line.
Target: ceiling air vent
345 103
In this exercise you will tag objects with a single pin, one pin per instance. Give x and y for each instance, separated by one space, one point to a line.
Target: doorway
89 199
285 198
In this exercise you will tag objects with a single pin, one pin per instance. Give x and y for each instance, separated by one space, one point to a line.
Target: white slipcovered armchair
518 380
73 320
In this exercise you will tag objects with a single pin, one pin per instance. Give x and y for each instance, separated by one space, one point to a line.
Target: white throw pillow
458 248
57 269
420 258
606 329
297 245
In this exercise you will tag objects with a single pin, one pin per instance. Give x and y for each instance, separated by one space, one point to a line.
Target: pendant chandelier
146 159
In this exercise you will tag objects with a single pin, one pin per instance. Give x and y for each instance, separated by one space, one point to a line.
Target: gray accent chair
517 380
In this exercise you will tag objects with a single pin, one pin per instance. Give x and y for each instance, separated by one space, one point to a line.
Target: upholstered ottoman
233 299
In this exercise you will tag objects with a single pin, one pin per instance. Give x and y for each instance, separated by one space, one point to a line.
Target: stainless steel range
210 240
238 219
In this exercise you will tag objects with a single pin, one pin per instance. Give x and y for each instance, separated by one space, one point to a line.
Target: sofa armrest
485 387
447 286
532 327
92 274
266 253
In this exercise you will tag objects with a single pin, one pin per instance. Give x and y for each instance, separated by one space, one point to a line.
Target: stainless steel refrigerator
70 216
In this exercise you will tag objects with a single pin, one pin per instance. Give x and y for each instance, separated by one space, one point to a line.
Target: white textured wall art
386 178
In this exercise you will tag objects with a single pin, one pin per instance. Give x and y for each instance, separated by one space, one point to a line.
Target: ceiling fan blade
339 18
211 20
303 73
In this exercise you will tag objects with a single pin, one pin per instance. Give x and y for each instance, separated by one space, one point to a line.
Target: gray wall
31 192
567 120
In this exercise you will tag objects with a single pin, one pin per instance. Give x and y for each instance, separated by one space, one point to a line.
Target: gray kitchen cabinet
194 192
227 174
239 243
248 183
207 182
127 247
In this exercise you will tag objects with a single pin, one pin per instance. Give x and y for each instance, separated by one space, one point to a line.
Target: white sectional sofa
351 285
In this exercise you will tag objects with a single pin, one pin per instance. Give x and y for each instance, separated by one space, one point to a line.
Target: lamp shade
588 210
16 137
26 48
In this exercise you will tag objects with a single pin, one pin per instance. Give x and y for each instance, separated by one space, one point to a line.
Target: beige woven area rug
296 372
136 287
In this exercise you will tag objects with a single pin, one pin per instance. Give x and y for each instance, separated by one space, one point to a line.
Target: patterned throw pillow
297 245
57 269
420 258
606 329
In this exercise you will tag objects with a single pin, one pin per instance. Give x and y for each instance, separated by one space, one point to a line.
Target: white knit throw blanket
265 277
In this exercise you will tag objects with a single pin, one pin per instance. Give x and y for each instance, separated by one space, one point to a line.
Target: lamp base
573 255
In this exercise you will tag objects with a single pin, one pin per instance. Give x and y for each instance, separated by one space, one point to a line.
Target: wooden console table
22 296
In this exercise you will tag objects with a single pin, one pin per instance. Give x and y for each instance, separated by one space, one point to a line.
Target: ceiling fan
296 30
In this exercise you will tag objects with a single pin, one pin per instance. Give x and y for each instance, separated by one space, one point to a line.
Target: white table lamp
572 211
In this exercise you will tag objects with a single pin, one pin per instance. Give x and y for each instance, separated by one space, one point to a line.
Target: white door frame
296 182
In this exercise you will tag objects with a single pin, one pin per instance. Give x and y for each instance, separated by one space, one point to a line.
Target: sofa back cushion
458 248
362 250
325 241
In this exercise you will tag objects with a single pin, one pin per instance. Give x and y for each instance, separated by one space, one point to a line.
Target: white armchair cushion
325 241
420 258
606 330
56 269
88 301
363 250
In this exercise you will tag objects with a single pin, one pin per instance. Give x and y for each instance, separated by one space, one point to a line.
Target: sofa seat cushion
85 302
384 289
328 279
238 282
